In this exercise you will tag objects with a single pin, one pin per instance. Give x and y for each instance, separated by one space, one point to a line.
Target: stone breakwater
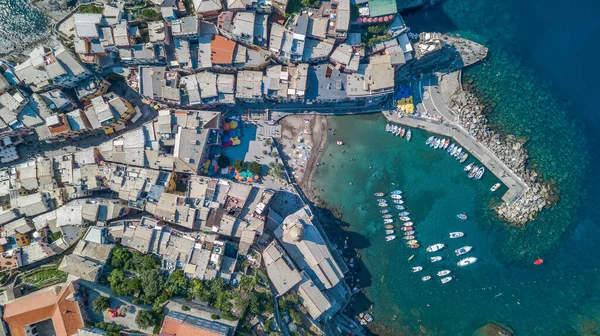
510 150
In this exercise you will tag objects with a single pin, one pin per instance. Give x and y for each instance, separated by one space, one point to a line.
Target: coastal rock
492 329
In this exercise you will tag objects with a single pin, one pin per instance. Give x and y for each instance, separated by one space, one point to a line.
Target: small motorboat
394 129
462 216
435 259
463 250
383 205
455 235
384 211
409 233
408 237
390 238
446 279
469 166
412 242
404 218
426 278
407 223
389 227
414 246
408 135
411 257
399 131
404 213
339 143
379 194
388 221
451 148
428 142
446 144
538 261
389 232
417 269
443 273
464 158
387 216
396 192
435 247
396 197
437 144
402 132
495 187
400 207
399 201
406 228
458 152
432 144
454 150
388 127
467 261
473 171
381 200
479 174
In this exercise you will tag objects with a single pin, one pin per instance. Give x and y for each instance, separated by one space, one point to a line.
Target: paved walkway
516 187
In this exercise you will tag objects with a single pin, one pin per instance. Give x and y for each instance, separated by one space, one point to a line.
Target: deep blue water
541 82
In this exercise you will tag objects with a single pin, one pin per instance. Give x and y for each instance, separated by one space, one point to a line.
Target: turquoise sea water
540 82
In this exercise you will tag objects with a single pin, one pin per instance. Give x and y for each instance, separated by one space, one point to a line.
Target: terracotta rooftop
178 324
221 50
64 127
43 305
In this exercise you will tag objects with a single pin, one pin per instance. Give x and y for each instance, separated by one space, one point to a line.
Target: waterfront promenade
516 187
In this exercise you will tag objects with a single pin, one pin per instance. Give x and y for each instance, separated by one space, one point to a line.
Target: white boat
432 144
456 234
467 261
446 144
495 187
404 218
389 232
480 172
387 216
408 224
408 135
379 194
458 152
429 140
450 148
461 216
446 279
394 196
390 238
387 127
388 221
417 269
396 192
402 132
426 278
462 250
473 171
384 211
394 128
382 205
404 213
443 273
399 201
442 143
381 200
408 237
464 158
435 259
400 207
409 233
412 242
437 143
435 247
469 166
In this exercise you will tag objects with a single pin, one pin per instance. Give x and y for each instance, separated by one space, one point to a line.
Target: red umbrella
391 17
370 20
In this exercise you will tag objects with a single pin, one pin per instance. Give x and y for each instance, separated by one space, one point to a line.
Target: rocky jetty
508 149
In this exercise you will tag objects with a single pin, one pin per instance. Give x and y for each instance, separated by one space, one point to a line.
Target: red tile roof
221 50
43 305
175 327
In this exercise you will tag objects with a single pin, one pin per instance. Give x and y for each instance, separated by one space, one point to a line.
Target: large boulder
492 329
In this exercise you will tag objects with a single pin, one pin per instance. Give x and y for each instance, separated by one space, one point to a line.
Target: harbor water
535 86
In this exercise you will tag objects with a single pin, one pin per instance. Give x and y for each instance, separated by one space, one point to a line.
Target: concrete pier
516 187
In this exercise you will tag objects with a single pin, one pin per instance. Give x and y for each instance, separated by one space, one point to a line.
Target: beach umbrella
232 133
226 138
370 20
226 126
233 124
391 17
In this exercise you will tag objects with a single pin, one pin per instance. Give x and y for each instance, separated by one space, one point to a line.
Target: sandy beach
303 157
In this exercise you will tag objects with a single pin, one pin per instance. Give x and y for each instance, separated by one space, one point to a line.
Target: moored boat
411 257
480 172
399 201
435 259
402 132
417 269
396 192
456 234
461 216
446 279
446 143
414 246
406 228
450 148
381 200
538 261
454 150
473 171
443 273
458 152
400 207
404 213
388 221
379 194
404 218
428 142
389 226
389 232
387 216
407 223
495 187
387 127
466 261
408 237
435 247
382 204
469 166
390 238
412 242
462 250
394 196
408 135
437 143
339 143
384 211
409 233
426 278
464 158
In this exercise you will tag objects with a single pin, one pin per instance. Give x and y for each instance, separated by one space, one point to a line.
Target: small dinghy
399 201
435 259
388 221
390 238
381 200
455 235
408 237
443 273
400 207
406 228
404 213
426 278
435 247
379 194
462 216
396 197
389 226
414 246
389 232
408 224
409 233
417 269
495 187
404 218
412 242
387 216
446 279
384 211
383 205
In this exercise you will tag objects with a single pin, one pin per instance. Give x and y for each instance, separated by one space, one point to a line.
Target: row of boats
403 216
473 170
398 131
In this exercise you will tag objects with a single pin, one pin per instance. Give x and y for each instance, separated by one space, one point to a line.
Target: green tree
144 319
247 283
100 304
199 290
296 317
148 262
120 256
117 282
90 9
310 3
177 283
255 306
377 29
149 12
239 165
254 168
152 285
223 161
